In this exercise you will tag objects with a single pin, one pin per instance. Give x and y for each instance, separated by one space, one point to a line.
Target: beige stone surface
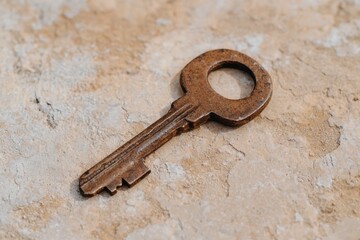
79 78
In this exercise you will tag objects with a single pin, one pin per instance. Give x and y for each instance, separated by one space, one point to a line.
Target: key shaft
126 163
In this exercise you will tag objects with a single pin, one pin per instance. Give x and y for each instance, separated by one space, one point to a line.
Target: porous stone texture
79 78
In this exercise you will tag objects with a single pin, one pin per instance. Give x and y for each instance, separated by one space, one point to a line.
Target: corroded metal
199 105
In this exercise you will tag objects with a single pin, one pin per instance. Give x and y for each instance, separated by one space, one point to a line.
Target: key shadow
175 90
75 191
175 86
217 128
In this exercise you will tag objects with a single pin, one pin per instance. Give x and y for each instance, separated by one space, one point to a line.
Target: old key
199 104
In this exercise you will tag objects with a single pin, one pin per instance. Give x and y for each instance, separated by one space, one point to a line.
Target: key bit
135 171
199 104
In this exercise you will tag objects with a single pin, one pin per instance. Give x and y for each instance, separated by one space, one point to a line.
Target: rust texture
199 105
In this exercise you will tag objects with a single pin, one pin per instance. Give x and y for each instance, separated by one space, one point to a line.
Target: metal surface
199 104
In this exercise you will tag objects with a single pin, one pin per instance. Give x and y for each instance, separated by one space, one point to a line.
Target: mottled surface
79 78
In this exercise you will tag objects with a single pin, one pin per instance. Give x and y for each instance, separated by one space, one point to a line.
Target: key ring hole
232 80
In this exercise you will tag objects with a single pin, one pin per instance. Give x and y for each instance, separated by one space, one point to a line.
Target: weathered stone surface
79 78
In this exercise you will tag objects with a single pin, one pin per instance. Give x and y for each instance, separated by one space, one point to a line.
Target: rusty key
199 104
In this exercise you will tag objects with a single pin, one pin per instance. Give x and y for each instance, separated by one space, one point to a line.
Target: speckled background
79 78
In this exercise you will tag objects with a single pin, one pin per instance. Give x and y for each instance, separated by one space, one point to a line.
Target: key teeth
114 185
131 177
138 171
